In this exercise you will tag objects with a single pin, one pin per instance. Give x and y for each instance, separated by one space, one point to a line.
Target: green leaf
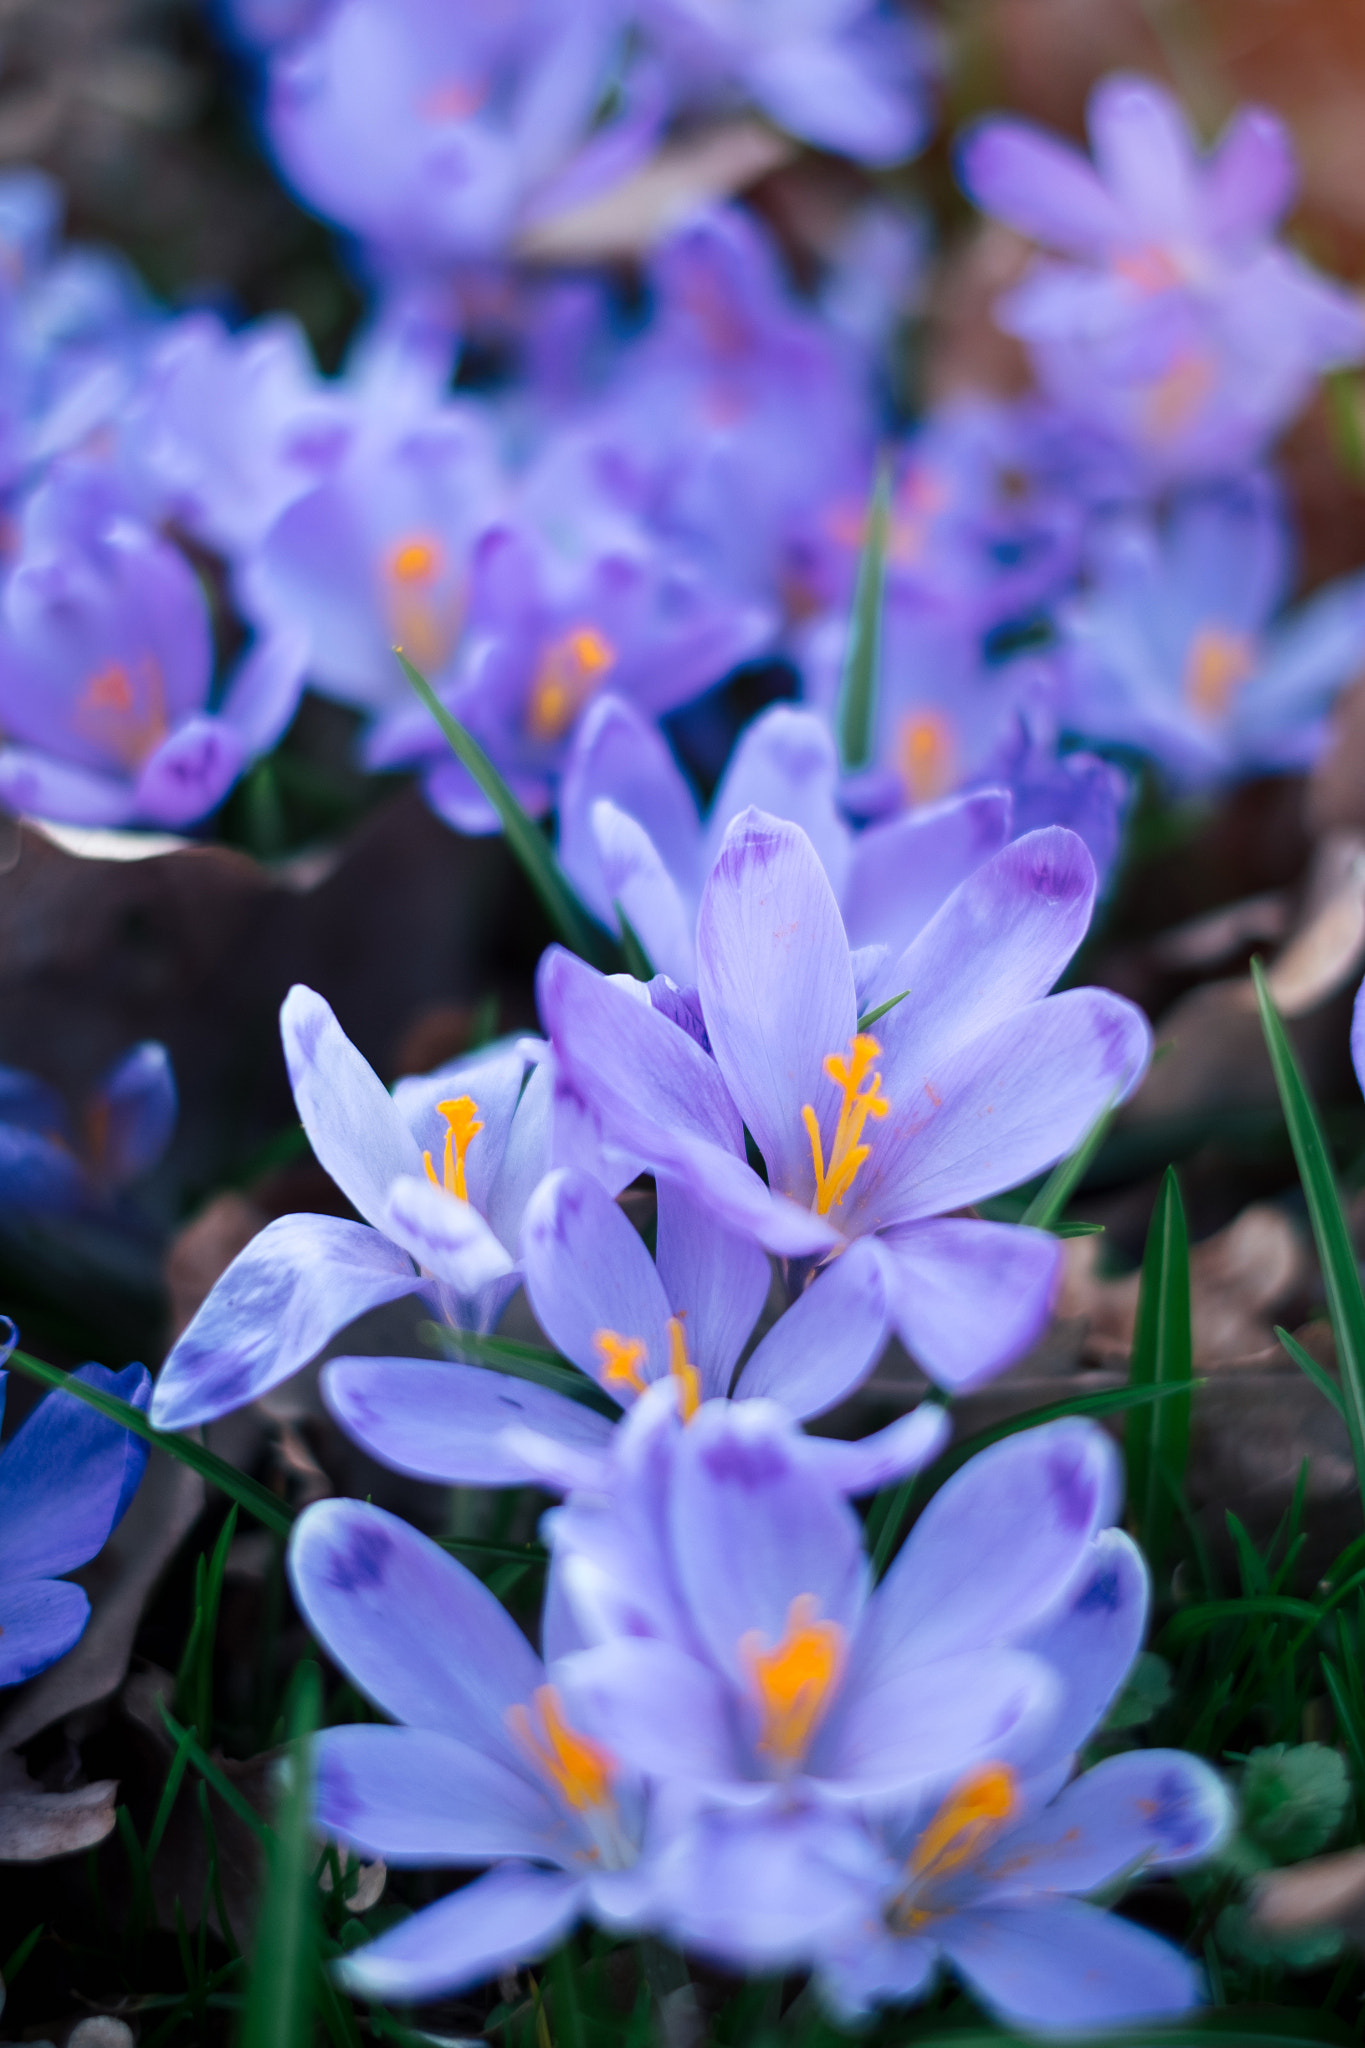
1318 1374
265 1507
558 899
523 1362
1156 1442
283 1981
1147 1689
1336 1254
1293 1799
882 1009
1061 1184
1344 401
862 663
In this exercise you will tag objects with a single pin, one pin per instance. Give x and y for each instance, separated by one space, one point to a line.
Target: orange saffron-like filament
964 1826
795 1681
571 670
462 1127
682 1370
848 1152
926 755
580 1769
621 1359
1216 666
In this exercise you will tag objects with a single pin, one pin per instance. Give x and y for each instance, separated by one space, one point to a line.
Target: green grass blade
213 1776
1044 1211
1318 1374
265 1507
558 899
1336 1254
875 1016
862 663
1156 1441
283 1984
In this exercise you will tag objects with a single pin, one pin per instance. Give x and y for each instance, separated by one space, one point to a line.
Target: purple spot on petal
1173 1814
361 1560
1104 1591
1073 1488
737 1462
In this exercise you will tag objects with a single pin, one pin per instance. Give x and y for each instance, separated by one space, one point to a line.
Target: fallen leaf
37 1825
1327 950
1326 1891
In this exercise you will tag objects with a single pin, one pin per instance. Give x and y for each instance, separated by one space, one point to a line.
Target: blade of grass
882 1010
1156 1442
209 1771
558 899
1336 1254
862 662
1061 1184
282 1986
270 1512
1318 1374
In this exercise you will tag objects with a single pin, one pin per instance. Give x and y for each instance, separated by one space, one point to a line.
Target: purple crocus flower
50 1162
974 1083
491 1763
1177 323
66 1477
106 668
1177 649
440 1169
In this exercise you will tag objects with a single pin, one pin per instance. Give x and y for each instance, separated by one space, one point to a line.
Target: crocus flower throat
425 610
462 1127
794 1682
124 715
623 1357
1217 665
571 670
964 1826
847 1153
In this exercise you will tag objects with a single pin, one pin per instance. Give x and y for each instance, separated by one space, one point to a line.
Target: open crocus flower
974 1083
1176 647
720 1589
441 1171
66 1477
48 1160
630 1324
1178 323
492 1762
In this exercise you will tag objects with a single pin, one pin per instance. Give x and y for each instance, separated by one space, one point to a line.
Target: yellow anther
462 1127
682 1370
958 1834
580 1769
1216 666
571 670
847 1153
124 712
425 603
795 1681
621 1359
926 755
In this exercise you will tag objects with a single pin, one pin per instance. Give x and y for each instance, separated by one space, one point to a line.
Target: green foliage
283 1986
855 715
1147 1691
1156 1440
1293 1799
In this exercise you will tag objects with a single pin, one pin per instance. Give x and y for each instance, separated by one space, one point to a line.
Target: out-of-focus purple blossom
52 1161
66 1478
1176 646
106 672
976 1081
1177 323
260 24
441 1170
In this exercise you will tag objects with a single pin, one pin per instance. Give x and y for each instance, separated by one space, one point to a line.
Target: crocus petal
776 989
40 1620
1150 1808
716 1280
353 1124
265 691
620 756
63 1479
190 773
902 872
1250 178
135 1110
904 1447
495 1080
282 1298
1358 1035
876 1968
1144 153
827 1342
785 763
969 1298
499 1922
412 1628
448 1423
588 1276
759 1891
653 1705
33 784
642 891
1043 188
445 1235
1059 1965
927 1722
1093 1636
413 1796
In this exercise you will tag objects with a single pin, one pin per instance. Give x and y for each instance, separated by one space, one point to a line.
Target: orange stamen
1216 666
964 1826
580 1769
795 1681
462 1127
925 755
848 1153
621 1359
682 1370
571 670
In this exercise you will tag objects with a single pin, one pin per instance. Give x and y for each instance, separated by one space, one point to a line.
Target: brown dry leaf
1213 939
37 1825
966 351
1336 793
200 1253
1327 1891
1326 952
626 221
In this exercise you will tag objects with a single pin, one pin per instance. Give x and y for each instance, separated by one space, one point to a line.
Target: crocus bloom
491 1762
441 1171
1176 322
974 1083
1177 647
65 1479
106 668
48 1160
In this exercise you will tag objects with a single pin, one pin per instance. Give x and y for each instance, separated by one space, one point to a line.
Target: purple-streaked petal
413 1796
499 1922
776 989
662 1711
827 1342
969 1298
293 1287
353 1123
761 1891
902 872
620 756
1093 1636
716 1280
931 1721
40 1620
135 1109
785 764
448 1423
1061 1966
642 891
64 1479
1041 187
412 1629
588 1274
904 1447
190 773
445 1235
1148 1809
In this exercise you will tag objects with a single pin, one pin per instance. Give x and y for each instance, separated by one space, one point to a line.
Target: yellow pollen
1216 666
925 755
417 560
621 1359
580 1769
970 1817
462 1127
796 1680
124 713
425 604
571 670
682 1370
847 1153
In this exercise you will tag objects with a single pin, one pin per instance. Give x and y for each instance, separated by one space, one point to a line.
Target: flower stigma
621 1358
425 617
580 1771
682 1370
965 1825
925 755
847 1153
462 1127
571 671
113 712
1217 665
795 1681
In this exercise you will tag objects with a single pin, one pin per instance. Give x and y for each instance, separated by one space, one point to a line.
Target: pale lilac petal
510 1917
1148 1809
353 1124
716 1280
282 1298
588 1275
1060 1965
1093 1636
527 1154
661 1711
448 1423
776 989
1042 187
889 1455
930 1721
640 889
446 1236
35 785
969 1298
40 1620
1145 154
265 692
837 97
618 755
827 1342
760 1891
902 872
1250 178
190 773
785 763
877 1968
413 1796
1358 1035
411 1628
